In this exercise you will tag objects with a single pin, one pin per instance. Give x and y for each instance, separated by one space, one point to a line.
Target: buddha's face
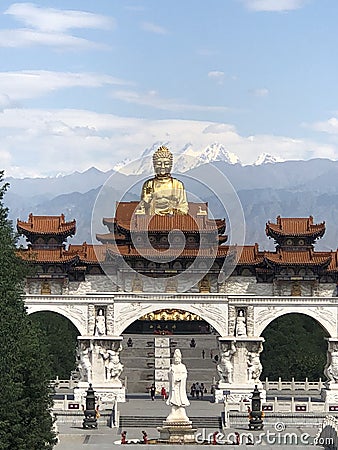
162 166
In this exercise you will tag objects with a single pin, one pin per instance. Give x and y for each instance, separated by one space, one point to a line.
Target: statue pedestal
237 393
105 393
179 432
330 393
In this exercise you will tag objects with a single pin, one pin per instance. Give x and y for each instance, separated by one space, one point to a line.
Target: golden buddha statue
163 195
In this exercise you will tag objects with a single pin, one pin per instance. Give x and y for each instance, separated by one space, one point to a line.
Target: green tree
61 336
294 346
25 396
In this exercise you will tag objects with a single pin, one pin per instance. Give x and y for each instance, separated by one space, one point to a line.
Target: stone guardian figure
177 399
225 367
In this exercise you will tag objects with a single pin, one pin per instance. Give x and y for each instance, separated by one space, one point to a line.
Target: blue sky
86 83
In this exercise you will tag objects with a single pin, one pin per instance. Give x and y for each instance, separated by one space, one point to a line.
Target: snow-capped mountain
266 158
185 158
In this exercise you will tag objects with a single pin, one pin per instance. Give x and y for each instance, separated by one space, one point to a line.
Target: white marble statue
254 364
177 399
241 324
100 323
84 364
112 364
332 370
225 367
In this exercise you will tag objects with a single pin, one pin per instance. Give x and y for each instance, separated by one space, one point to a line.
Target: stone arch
126 315
64 310
325 316
291 341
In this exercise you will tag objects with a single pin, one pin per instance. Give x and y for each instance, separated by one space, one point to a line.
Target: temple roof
297 258
59 256
89 253
54 225
295 226
196 221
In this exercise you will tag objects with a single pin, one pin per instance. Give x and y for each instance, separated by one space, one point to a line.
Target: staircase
156 421
139 360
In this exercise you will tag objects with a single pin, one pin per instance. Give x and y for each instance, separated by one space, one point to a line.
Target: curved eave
311 262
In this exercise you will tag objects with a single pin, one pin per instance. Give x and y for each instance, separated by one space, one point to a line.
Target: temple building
163 245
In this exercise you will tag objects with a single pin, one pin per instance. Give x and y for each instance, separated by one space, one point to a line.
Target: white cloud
260 92
329 126
28 38
273 5
153 100
47 142
56 20
34 83
153 28
216 75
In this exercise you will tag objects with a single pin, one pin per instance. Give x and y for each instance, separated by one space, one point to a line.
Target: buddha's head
162 161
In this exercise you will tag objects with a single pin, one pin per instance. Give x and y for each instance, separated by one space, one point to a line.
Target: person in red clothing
163 393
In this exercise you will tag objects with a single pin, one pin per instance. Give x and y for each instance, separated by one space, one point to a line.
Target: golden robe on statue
163 196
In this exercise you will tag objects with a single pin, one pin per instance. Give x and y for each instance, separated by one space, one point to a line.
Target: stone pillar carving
91 319
162 362
225 367
110 319
84 366
239 367
330 393
99 363
250 320
255 368
232 320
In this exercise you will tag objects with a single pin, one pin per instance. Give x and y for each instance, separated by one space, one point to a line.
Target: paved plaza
73 437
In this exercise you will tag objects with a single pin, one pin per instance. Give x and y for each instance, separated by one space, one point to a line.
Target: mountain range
265 189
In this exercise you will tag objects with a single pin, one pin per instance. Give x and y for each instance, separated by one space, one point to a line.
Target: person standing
203 353
163 393
152 392
198 390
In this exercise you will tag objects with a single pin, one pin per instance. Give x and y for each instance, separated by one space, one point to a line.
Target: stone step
156 421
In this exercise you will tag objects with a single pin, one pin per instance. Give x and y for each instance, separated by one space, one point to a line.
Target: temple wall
245 285
232 286
93 283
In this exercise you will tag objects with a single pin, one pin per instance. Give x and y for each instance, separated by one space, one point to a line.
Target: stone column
330 393
239 368
162 362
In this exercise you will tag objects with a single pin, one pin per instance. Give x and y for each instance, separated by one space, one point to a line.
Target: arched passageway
61 337
149 343
294 346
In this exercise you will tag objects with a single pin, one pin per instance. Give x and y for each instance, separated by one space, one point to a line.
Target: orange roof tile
249 254
190 222
89 253
290 258
47 255
295 226
167 223
47 225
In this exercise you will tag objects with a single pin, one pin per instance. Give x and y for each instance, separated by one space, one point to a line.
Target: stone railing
293 385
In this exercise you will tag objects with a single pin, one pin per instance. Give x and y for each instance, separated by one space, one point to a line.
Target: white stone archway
126 314
325 316
75 313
